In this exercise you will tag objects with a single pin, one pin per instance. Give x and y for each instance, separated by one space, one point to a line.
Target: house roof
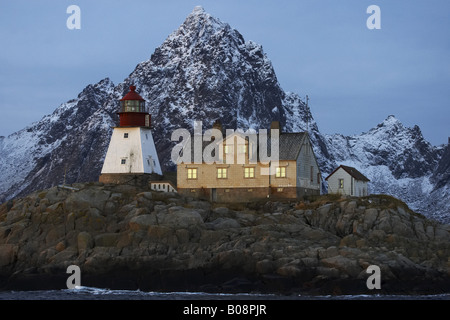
289 146
351 171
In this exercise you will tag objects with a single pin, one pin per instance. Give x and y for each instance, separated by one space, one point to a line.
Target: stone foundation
246 194
140 180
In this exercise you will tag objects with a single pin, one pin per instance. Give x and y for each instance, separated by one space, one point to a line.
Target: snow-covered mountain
398 161
71 139
204 71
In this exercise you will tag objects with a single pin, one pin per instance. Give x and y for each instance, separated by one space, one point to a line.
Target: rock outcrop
129 238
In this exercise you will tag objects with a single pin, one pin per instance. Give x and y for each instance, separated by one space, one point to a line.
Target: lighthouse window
125 135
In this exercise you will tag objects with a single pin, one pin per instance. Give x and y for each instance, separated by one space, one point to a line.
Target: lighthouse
131 153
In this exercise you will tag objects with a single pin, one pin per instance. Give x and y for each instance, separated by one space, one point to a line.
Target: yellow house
240 172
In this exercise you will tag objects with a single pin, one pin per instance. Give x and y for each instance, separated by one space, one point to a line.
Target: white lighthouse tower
131 152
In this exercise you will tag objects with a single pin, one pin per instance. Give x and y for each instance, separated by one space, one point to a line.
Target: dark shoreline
225 282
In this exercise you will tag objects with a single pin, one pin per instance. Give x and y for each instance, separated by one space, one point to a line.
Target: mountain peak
390 122
200 20
198 10
391 119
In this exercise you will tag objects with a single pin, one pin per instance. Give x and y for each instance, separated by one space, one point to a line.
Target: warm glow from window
242 148
192 173
280 172
221 173
249 172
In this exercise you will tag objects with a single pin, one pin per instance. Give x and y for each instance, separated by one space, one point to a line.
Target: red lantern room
133 112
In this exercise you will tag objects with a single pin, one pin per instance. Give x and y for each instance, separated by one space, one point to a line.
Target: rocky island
126 237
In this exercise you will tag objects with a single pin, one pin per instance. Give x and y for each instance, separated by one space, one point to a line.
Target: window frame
280 172
249 172
222 173
192 173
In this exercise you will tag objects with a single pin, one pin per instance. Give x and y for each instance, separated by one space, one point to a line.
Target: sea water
91 293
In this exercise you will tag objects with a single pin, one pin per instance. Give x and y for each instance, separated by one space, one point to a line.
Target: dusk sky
355 77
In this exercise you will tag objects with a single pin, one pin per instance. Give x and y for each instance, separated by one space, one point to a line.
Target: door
213 194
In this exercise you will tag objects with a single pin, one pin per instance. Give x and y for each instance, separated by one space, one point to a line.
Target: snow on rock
38 155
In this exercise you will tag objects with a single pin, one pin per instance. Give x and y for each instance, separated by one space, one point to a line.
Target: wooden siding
305 161
352 187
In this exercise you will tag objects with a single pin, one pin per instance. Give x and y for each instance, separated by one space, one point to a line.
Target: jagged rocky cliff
204 71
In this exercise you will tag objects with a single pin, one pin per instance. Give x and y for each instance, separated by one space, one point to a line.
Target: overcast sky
355 77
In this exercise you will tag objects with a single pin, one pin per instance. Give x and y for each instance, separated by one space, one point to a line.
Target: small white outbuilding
348 181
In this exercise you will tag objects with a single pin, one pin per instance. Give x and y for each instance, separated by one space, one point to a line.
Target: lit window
192 173
279 189
227 149
125 135
242 148
280 172
249 172
222 173
341 183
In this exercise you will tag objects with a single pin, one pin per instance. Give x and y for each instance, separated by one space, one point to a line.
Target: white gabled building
348 181
131 152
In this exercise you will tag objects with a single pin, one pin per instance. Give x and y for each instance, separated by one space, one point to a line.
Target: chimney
275 125
217 125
